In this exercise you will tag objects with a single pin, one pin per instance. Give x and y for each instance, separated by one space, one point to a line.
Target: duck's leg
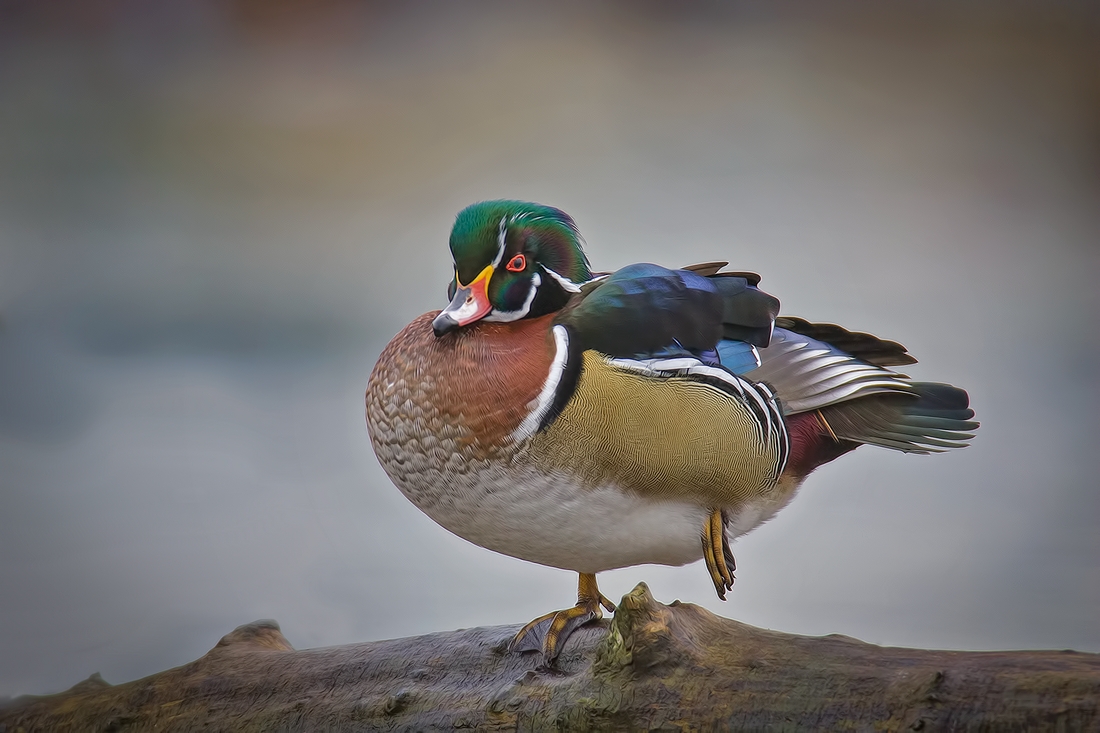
547 634
717 553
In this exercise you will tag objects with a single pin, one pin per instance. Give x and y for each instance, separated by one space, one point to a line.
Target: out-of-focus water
214 216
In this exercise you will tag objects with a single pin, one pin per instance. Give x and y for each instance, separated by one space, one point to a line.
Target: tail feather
870 349
842 377
934 418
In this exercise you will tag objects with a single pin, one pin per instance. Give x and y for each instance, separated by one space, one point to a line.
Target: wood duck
597 421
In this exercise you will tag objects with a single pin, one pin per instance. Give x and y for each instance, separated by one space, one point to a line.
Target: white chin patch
506 316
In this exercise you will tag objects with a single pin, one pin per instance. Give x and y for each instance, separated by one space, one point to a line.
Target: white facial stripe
545 400
502 232
567 285
507 316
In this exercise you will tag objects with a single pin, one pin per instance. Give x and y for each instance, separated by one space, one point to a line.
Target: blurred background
214 215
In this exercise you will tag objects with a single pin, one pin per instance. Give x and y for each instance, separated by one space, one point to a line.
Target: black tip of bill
444 323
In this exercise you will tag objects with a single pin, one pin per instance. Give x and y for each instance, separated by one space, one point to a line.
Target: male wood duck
596 421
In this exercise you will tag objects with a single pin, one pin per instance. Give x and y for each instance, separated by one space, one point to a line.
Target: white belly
549 520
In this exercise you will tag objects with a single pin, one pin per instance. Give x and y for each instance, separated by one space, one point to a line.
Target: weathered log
653 667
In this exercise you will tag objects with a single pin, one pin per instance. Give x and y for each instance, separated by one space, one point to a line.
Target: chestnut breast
464 392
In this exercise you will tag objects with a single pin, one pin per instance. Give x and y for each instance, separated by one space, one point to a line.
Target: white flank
530 424
659 366
683 366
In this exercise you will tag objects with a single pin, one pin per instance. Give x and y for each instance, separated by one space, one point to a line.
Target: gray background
214 216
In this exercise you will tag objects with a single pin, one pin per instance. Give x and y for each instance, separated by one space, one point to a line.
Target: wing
870 349
646 310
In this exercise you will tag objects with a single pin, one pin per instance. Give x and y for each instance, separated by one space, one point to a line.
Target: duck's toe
717 553
548 633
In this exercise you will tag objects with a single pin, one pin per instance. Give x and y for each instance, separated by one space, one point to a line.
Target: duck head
512 260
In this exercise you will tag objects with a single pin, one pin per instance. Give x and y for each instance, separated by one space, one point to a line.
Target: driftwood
653 667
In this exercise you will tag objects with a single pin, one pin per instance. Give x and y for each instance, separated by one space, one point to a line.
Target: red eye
516 264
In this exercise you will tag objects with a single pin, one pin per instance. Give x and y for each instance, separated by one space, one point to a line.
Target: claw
717 553
547 633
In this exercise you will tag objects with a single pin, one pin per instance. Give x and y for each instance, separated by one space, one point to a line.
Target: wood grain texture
652 667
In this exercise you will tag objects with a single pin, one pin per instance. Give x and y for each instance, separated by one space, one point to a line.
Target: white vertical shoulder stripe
545 400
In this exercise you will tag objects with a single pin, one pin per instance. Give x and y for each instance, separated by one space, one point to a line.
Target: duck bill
471 303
